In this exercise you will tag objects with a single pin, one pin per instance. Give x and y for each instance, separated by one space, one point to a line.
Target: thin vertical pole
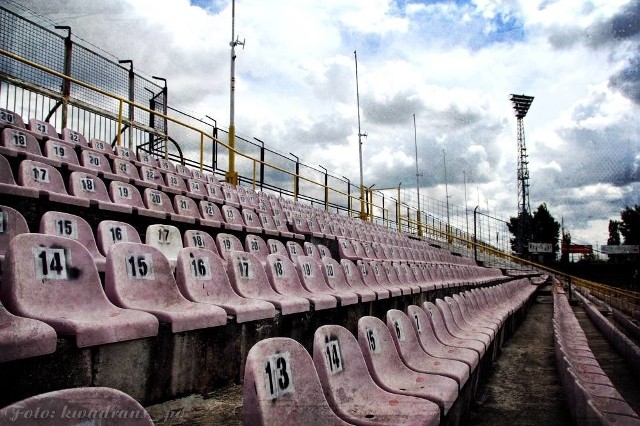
415 139
362 207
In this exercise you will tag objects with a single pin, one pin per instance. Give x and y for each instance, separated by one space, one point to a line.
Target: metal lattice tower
521 104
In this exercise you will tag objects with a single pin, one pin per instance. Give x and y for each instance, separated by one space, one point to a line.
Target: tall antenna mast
521 104
232 175
360 135
415 140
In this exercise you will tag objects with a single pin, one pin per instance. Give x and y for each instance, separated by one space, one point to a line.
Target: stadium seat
62 153
312 279
430 343
198 175
462 329
165 238
196 189
147 159
187 207
334 274
232 218
276 247
174 184
252 221
8 184
12 223
294 250
211 213
324 251
93 189
269 226
126 194
284 279
75 407
447 337
281 386
14 142
42 129
214 194
101 146
128 172
255 245
54 279
227 243
183 171
311 250
98 163
47 179
350 390
74 227
124 153
140 277
202 278
24 337
199 239
166 165
158 201
10 119
392 276
413 356
346 251
231 197
281 225
249 279
373 274
111 232
390 373
354 279
151 177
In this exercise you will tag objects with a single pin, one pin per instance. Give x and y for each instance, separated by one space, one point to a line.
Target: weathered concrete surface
523 386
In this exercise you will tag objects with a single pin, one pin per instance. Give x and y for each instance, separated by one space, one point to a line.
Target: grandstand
133 274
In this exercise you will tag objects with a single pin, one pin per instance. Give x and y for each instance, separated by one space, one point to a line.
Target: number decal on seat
123 192
208 209
163 235
20 139
66 228
88 184
333 356
277 375
156 198
139 266
118 234
244 268
398 327
198 241
40 174
50 263
200 269
306 269
59 151
254 245
418 326
278 268
7 116
330 271
3 222
41 128
372 339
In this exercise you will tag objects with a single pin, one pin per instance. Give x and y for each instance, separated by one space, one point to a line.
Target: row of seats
409 370
77 406
592 397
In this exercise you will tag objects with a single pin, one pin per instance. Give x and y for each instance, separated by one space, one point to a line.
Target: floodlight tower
521 104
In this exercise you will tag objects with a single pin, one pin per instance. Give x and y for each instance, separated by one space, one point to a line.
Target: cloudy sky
451 63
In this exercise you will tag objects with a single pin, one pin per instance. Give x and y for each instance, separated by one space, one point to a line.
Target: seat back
201 276
41 176
123 152
310 274
43 128
294 250
197 188
276 247
345 249
60 151
214 193
70 226
147 159
166 165
10 118
199 239
185 206
124 168
94 161
6 176
157 201
12 223
111 232
227 243
210 212
255 245
251 219
248 277
151 175
101 146
175 181
90 187
334 273
232 216
324 251
76 401
281 382
166 238
19 141
126 194
266 221
183 171
311 250
230 196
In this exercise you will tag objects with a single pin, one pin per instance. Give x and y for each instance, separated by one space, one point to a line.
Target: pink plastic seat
334 274
24 337
281 386
294 249
269 226
93 189
202 278
196 189
101 146
157 201
97 162
445 336
126 194
8 184
408 346
167 239
461 329
390 373
147 159
230 197
284 279
43 129
252 221
14 142
227 243
73 227
128 172
77 406
324 251
111 232
187 207
276 247
311 250
54 279
313 279
249 279
199 239
124 153
346 251
256 245
210 212
62 153
232 218
140 277
352 393
10 119
430 343
151 177
214 194
392 275
380 274
281 225
175 184
46 179
198 175
354 279
183 171
368 276
166 165
12 223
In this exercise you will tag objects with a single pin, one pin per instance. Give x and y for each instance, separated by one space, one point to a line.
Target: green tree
630 225
614 233
539 228
517 246
566 242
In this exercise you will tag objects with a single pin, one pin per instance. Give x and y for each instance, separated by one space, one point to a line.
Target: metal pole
446 189
66 85
132 93
232 175
326 188
261 163
296 179
415 139
363 214
475 237
348 195
466 210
